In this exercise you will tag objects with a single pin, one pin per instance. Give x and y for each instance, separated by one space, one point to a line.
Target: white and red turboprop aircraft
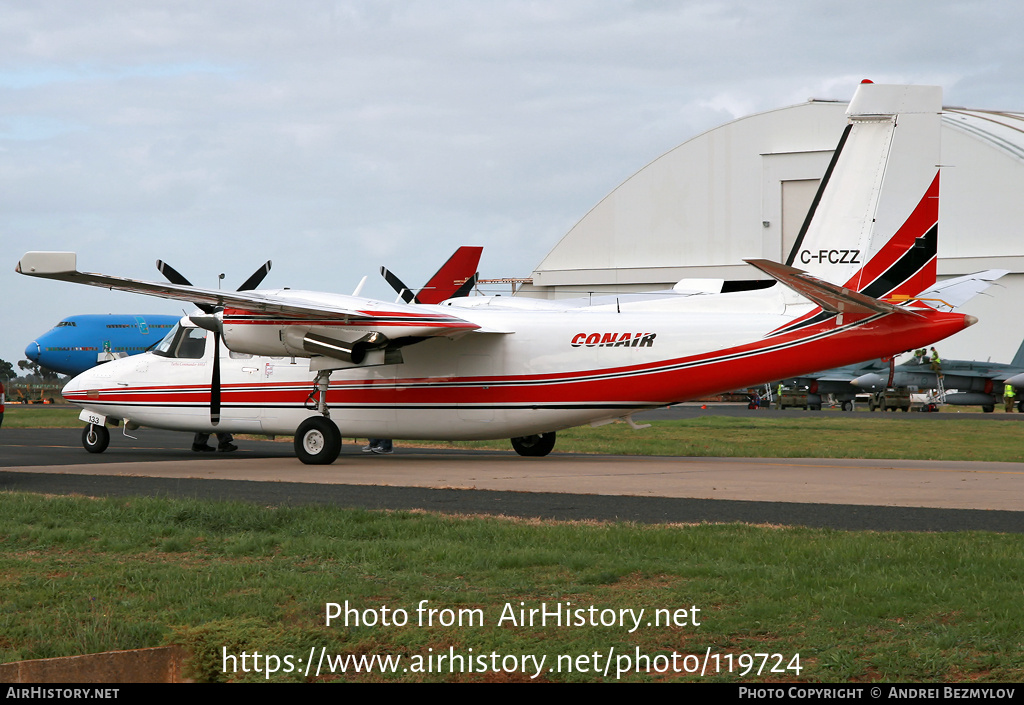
509 367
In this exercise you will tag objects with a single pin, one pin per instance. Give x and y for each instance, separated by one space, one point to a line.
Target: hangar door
797 197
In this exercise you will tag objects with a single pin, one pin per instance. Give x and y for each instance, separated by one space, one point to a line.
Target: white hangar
741 191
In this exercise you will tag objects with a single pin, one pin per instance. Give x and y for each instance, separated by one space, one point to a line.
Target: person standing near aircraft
1 403
1009 395
224 443
936 362
379 446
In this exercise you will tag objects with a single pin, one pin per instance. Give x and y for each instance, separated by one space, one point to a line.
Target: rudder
873 225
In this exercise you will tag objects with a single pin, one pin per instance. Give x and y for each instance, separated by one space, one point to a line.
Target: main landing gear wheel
534 446
95 439
317 441
847 406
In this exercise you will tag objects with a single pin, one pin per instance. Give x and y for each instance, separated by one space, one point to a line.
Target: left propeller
211 323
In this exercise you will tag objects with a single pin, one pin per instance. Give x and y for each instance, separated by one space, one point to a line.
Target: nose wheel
95 439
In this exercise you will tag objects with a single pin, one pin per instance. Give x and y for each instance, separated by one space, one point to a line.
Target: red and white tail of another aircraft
454 279
508 367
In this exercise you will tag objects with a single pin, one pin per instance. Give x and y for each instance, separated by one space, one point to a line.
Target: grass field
82 575
811 434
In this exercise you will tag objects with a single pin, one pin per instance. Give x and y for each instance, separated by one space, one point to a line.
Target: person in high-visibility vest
936 362
1008 397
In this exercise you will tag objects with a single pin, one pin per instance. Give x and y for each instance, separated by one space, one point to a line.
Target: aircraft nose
33 351
1016 380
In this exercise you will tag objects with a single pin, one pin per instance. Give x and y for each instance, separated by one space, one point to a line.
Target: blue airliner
79 343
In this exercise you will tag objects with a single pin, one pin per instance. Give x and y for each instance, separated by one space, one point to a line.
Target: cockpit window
183 343
164 346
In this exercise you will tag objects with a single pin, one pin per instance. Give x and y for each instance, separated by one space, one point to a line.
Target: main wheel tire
95 439
534 446
988 408
847 406
317 441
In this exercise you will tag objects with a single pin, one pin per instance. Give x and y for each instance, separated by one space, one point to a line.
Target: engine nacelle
304 341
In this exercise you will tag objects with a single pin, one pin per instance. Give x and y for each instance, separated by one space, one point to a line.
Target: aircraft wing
831 297
63 267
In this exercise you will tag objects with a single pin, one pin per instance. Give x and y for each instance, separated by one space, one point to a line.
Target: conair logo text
830 256
613 340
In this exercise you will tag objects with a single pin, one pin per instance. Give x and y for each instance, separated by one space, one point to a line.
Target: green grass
82 575
806 436
41 416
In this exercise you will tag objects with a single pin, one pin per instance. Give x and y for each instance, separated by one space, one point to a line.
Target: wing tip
41 264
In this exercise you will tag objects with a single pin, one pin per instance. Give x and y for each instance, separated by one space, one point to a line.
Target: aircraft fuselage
557 370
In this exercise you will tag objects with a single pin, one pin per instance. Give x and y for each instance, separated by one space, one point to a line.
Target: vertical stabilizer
454 279
1018 359
873 226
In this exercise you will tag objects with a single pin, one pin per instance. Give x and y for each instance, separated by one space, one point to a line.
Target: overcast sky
334 137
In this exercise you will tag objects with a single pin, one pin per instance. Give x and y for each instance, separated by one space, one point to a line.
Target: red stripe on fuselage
653 383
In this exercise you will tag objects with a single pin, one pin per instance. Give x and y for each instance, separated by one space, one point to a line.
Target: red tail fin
453 276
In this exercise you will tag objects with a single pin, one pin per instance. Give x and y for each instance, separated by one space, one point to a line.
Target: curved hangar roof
741 191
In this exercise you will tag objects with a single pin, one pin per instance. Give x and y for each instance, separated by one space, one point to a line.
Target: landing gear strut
317 439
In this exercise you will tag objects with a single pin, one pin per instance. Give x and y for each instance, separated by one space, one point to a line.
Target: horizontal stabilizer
830 297
953 293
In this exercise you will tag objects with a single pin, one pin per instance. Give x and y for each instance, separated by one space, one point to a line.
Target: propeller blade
175 277
257 278
171 274
215 382
399 286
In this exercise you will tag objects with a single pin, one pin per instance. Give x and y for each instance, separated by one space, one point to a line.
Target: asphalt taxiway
844 494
